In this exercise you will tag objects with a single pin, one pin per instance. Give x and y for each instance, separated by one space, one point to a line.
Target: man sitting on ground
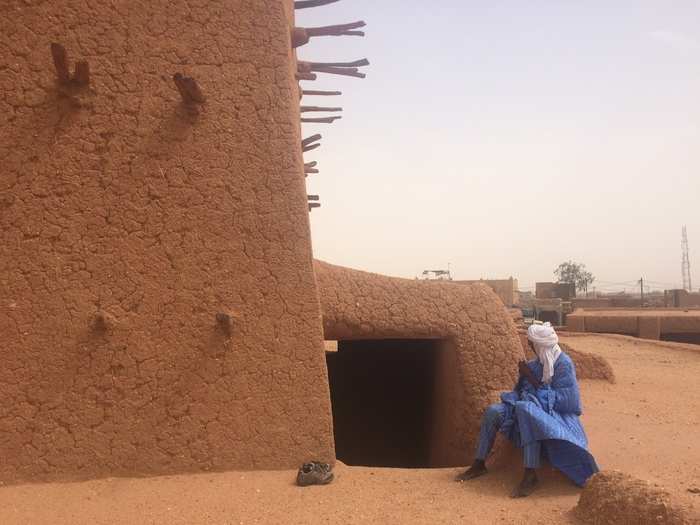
541 416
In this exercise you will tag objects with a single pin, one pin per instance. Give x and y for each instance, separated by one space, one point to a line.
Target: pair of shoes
314 473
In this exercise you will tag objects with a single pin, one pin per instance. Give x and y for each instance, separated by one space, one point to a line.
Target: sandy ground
644 425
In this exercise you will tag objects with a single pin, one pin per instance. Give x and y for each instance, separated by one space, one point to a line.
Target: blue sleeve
565 396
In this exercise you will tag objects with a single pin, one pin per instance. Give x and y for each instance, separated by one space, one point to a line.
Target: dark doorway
382 396
548 316
693 339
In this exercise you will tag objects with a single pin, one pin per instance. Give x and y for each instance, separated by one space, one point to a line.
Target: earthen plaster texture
128 222
481 343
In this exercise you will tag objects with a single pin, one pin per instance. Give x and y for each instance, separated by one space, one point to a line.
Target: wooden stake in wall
305 4
81 75
303 35
189 89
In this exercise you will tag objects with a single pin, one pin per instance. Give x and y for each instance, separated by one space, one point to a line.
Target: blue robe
550 415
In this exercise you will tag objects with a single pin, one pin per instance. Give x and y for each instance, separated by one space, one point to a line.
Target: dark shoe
527 486
477 469
314 473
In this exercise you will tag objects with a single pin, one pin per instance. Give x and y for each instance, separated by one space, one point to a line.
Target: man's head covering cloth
545 340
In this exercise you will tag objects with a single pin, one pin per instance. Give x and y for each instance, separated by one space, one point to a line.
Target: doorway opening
693 339
383 394
548 316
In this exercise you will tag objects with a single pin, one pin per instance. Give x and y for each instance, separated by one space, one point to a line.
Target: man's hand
523 368
527 374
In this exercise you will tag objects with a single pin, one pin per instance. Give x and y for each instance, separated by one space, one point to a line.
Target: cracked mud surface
128 223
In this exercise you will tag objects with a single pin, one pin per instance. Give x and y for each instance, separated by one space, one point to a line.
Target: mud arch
475 344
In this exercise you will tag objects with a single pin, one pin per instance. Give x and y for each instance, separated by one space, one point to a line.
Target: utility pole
641 288
685 264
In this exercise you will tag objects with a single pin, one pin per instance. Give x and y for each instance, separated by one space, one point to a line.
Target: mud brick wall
482 343
128 222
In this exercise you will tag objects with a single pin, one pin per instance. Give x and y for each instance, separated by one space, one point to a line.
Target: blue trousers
490 425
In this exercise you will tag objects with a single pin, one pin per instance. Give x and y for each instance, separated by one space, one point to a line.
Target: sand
644 425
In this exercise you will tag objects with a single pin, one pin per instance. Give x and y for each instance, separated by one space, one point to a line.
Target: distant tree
572 272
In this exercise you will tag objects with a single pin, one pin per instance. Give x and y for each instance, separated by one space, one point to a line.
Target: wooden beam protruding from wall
311 92
305 4
301 75
302 35
310 109
310 140
349 69
189 89
310 168
81 75
323 120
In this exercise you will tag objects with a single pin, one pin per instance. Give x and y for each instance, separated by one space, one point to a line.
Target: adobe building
623 300
668 324
417 363
681 299
159 309
563 291
506 289
551 311
552 301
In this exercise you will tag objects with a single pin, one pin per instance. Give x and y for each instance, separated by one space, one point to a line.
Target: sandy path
644 425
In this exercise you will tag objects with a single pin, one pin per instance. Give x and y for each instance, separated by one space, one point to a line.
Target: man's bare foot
527 485
477 469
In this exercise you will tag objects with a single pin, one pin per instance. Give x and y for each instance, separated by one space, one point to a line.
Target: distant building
623 300
681 299
506 289
563 291
666 324
526 298
551 310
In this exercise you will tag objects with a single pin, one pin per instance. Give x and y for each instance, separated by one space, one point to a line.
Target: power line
629 287
669 285
626 283
622 286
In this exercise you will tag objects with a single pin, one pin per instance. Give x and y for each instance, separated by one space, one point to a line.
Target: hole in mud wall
383 394
693 339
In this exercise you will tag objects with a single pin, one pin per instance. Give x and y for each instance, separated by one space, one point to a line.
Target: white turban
545 341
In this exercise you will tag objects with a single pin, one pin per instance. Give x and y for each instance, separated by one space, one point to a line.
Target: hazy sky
505 137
